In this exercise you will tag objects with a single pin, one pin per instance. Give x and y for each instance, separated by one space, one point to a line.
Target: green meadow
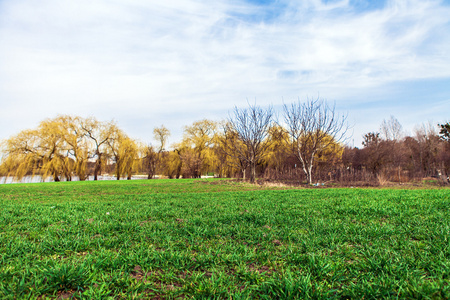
221 239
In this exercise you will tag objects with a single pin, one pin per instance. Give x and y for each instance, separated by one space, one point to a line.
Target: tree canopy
305 145
445 131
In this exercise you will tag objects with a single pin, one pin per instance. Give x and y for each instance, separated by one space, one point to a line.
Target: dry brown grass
383 179
275 184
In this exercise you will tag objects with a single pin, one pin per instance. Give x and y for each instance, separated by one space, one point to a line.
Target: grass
207 239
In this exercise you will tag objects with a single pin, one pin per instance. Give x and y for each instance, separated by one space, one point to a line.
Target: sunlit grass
216 238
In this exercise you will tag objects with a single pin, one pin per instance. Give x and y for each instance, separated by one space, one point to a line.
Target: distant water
38 178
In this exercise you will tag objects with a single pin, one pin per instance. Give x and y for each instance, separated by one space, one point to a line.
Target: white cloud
184 59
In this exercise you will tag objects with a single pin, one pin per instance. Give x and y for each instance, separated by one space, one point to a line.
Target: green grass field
158 239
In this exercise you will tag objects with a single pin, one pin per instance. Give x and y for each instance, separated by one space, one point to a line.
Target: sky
146 63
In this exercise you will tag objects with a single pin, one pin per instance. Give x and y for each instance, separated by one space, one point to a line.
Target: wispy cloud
187 59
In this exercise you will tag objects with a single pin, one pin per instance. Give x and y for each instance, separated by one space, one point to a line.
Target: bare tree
393 134
161 134
250 126
391 129
312 127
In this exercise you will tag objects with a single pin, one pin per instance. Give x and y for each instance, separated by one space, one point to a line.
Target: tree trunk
118 166
308 172
98 167
309 175
305 170
81 177
253 172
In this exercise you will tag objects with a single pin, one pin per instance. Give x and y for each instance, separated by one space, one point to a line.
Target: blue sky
147 63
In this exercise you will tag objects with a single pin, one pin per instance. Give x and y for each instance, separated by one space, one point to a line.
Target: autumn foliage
250 144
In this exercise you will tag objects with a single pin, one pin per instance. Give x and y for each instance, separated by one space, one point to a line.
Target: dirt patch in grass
260 269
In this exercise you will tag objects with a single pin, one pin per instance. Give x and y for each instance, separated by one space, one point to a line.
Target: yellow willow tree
231 151
161 134
153 156
171 164
76 143
97 135
130 157
61 147
124 152
19 154
150 159
326 160
278 151
42 150
196 149
227 166
53 151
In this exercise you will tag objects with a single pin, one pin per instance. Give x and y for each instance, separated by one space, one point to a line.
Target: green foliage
207 239
445 131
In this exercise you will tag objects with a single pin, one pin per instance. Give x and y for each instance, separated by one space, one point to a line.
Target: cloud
187 59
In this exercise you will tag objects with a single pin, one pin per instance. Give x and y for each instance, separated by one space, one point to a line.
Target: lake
39 178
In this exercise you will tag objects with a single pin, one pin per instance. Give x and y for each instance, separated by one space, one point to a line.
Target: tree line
390 155
306 144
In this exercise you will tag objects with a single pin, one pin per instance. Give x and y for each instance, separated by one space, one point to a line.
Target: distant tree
76 143
249 128
391 129
124 152
62 147
445 131
313 126
371 138
52 150
98 135
231 162
352 163
328 158
191 163
161 134
278 151
196 149
171 165
152 156
393 134
424 150
445 153
150 159
20 154
45 150
374 154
